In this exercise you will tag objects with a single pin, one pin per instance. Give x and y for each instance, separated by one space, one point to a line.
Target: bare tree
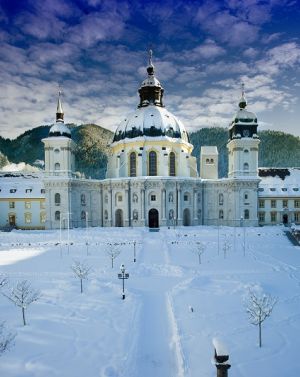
226 246
6 339
199 249
259 307
81 271
113 251
22 295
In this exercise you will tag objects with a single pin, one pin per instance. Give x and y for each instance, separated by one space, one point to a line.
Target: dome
151 121
244 116
59 129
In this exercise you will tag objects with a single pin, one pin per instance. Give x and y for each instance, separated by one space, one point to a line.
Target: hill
277 149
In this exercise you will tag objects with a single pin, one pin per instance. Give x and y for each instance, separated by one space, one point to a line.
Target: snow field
153 332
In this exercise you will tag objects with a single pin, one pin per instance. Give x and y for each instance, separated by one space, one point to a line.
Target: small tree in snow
259 307
22 295
113 251
199 249
226 246
81 271
6 339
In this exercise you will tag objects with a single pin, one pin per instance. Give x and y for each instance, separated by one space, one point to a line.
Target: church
152 178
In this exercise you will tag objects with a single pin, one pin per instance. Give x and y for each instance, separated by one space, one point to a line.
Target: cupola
59 128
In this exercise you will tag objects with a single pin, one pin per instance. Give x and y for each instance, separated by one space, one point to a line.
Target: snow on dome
151 121
244 116
151 81
59 129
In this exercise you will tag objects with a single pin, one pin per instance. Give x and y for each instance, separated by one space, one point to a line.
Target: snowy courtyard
176 302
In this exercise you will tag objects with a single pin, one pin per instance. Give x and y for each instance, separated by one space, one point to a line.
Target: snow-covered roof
244 116
283 182
59 129
209 150
21 185
152 121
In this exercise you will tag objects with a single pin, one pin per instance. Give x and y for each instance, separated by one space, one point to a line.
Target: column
126 214
110 207
195 205
179 218
142 205
163 204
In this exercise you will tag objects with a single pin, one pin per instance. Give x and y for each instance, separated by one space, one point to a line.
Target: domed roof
59 129
151 121
243 115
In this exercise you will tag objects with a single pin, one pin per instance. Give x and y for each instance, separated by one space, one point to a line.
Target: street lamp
134 251
123 275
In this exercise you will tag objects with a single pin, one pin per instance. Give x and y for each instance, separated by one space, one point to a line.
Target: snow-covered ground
153 332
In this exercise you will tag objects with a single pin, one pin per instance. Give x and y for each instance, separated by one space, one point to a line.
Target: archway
285 219
186 217
153 218
119 218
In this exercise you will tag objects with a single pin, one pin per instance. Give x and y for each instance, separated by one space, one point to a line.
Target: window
42 191
246 196
186 197
273 203
27 205
13 190
246 214
272 189
105 215
82 200
284 189
297 217
135 198
83 215
273 217
28 191
221 199
42 217
171 198
57 166
152 163
211 161
153 198
261 203
171 214
246 166
285 203
57 215
172 171
296 189
57 199
27 218
261 217
11 204
221 214
246 151
106 198
42 204
132 164
120 198
56 150
296 203
199 197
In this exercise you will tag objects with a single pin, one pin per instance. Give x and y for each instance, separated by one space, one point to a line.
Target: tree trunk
81 286
259 327
23 314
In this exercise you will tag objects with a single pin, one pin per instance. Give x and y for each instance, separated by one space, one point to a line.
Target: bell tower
243 143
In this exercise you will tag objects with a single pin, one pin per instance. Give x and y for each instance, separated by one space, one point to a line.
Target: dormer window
28 191
284 189
12 190
272 189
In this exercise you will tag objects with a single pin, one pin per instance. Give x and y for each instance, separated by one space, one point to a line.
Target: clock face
246 133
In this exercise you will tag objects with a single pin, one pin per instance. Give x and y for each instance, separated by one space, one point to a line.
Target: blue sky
97 51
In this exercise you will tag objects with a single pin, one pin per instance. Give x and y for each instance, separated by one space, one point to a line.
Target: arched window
57 199
221 214
171 214
106 198
152 163
172 168
57 215
135 215
57 166
82 199
246 166
83 215
246 214
105 215
221 199
132 164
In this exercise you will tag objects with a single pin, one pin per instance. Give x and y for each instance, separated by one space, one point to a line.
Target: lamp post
134 251
123 275
87 231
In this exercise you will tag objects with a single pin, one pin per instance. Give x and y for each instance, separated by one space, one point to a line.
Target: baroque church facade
152 178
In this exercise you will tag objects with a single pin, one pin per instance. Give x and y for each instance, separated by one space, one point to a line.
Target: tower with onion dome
243 143
151 141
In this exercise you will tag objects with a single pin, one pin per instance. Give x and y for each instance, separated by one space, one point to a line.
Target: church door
285 219
12 220
186 217
153 218
119 218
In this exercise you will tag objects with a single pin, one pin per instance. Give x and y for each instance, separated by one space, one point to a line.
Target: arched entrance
153 218
186 217
119 218
285 219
